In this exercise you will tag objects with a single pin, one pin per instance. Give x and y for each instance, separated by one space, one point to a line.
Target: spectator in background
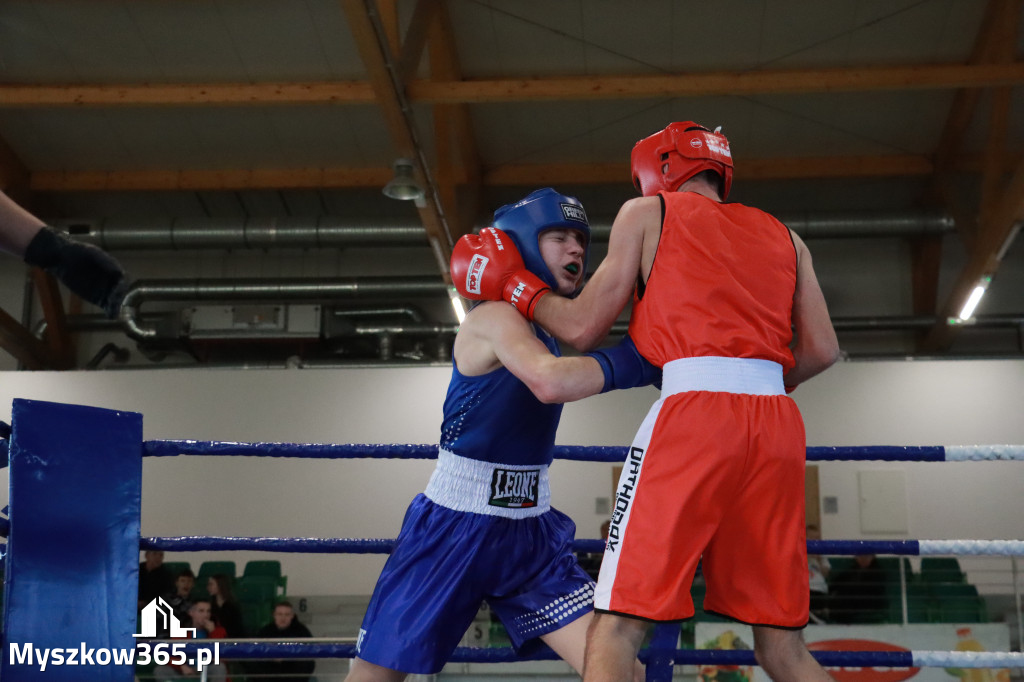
199 616
818 567
179 599
858 593
154 578
285 626
223 606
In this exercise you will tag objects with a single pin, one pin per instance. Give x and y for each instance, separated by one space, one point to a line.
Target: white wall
855 403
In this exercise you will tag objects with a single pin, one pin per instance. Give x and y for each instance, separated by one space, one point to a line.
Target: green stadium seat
893 586
176 567
208 569
498 635
838 564
256 596
264 568
959 603
255 615
942 570
267 569
256 589
921 605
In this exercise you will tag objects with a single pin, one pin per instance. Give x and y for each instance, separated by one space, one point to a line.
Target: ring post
72 563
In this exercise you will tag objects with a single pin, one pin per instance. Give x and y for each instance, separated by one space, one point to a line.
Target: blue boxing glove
624 367
86 270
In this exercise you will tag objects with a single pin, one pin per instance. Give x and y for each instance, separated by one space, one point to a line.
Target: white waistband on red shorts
471 485
724 375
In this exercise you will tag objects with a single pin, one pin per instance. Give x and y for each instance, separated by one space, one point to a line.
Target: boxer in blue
484 529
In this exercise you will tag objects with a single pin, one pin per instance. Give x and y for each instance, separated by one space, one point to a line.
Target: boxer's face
563 251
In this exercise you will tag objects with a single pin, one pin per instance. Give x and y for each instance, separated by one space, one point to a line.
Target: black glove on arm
85 269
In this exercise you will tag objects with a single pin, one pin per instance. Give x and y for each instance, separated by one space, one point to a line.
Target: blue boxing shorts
446 562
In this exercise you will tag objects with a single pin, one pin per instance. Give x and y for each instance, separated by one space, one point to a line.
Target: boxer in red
717 468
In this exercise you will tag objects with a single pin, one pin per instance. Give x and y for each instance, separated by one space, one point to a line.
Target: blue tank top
494 417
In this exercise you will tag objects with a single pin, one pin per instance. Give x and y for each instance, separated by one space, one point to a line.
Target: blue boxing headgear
543 209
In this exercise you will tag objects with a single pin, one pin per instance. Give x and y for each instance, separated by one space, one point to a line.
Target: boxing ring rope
662 654
651 656
580 453
661 657
199 543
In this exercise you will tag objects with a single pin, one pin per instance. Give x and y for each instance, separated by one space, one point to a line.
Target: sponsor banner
914 637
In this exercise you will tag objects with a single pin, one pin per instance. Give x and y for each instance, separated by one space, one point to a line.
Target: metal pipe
323 232
253 233
268 291
867 224
403 311
905 322
392 329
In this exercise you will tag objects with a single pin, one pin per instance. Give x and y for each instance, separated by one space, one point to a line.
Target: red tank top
721 285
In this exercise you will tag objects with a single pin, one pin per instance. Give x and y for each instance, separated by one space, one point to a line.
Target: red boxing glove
488 267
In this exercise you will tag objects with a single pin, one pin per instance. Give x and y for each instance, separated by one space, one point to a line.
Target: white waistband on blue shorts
724 375
465 484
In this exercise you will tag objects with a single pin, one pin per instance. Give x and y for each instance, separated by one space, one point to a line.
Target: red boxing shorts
716 470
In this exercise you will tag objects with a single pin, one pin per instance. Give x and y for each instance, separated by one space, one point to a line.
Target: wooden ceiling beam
477 91
19 342
387 10
505 175
998 228
185 94
415 41
457 151
61 349
33 353
201 180
965 102
852 79
1001 206
390 96
926 252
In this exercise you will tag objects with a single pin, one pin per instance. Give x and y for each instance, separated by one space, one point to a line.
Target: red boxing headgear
672 156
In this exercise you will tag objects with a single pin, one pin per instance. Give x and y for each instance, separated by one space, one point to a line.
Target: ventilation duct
268 233
332 232
269 291
860 224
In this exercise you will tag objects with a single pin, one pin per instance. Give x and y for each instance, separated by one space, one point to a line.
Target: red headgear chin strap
672 156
